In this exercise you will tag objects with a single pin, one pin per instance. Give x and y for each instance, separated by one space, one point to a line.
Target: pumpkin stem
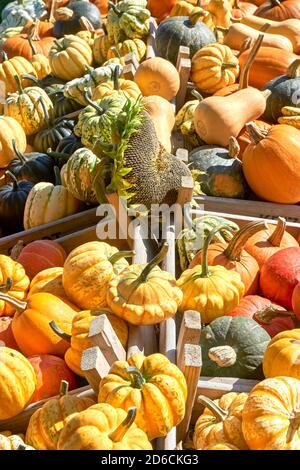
119 255
294 426
234 148
19 84
22 447
293 69
92 103
13 178
64 14
223 356
236 245
265 27
115 9
45 111
244 77
275 3
204 262
229 65
197 95
118 434
114 49
64 388
255 133
15 302
57 176
32 46
60 332
268 314
216 410
27 76
86 25
156 260
59 44
116 77
195 17
34 35
7 286
19 154
136 376
276 237
4 56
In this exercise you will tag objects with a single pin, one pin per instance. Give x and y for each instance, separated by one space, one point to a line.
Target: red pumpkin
40 255
296 301
279 276
262 245
27 45
6 335
265 313
160 8
50 371
279 10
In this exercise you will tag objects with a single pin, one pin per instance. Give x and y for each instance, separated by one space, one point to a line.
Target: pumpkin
288 28
234 256
290 116
262 245
296 301
213 291
88 32
67 146
102 5
241 9
49 280
144 294
128 19
11 67
68 18
161 112
47 422
185 121
279 10
13 281
88 270
244 136
41 254
271 317
69 57
26 108
221 12
282 355
41 65
182 31
100 48
233 347
220 422
17 382
47 202
13 198
13 442
129 46
283 91
117 86
10 130
33 166
6 335
27 45
214 67
61 104
79 339
160 9
94 120
50 371
224 446
279 276
44 28
271 415
220 170
103 427
52 134
159 77
144 380
270 165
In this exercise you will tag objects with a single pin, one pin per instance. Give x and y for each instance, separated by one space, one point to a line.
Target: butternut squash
288 28
163 116
238 33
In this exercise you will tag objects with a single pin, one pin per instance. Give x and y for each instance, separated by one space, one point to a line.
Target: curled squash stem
204 263
32 78
293 70
86 25
60 332
195 17
276 237
267 315
19 84
235 247
197 95
115 9
116 78
13 178
19 154
92 103
7 286
32 46
15 302
158 259
118 434
119 255
244 77
216 410
4 56
49 122
136 376
64 388
256 134
294 426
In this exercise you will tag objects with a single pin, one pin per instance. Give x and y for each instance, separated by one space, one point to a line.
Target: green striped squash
79 175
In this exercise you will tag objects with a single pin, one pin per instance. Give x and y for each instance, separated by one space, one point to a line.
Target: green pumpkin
78 9
182 31
52 135
79 175
233 347
220 171
191 240
61 104
68 145
128 19
285 91
95 121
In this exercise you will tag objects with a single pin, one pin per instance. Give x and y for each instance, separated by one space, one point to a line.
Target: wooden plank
190 330
183 53
185 193
135 341
122 217
183 154
103 335
184 70
151 39
94 366
129 72
131 59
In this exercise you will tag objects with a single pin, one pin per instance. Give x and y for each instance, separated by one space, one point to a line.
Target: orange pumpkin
50 281
279 10
244 137
27 45
44 28
41 254
102 5
160 9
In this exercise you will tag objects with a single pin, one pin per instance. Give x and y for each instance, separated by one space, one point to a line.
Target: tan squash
238 33
162 114
221 11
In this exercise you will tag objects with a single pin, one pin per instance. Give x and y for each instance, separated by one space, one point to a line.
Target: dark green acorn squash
69 144
70 22
233 347
61 104
220 171
34 166
182 31
52 135
12 203
285 92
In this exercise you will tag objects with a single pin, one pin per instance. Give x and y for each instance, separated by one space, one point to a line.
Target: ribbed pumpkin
144 294
214 67
234 257
100 49
52 134
270 163
157 76
17 382
244 137
50 281
279 10
282 356
128 19
88 270
220 422
290 116
213 291
41 254
79 338
271 417
47 202
11 67
69 57
47 422
26 108
80 173
134 46
117 86
103 427
22 45
10 130
233 347
143 381
10 441
262 245
13 281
